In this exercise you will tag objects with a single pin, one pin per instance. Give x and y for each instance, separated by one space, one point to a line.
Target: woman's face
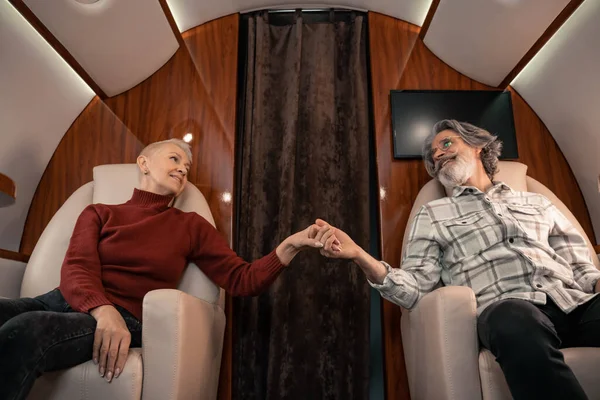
165 170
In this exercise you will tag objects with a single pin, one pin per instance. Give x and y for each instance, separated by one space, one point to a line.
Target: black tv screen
415 112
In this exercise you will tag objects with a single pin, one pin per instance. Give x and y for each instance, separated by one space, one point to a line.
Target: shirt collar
498 186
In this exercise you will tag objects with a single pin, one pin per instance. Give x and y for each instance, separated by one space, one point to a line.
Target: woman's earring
146 172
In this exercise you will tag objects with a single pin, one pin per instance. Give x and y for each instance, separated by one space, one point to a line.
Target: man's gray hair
472 135
152 147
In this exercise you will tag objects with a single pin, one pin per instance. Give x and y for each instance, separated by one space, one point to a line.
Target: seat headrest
114 183
513 173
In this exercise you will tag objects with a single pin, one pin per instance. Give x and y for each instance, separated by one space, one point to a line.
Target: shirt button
511 240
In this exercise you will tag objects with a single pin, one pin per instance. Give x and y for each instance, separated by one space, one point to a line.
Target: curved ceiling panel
40 96
118 42
561 84
191 13
484 40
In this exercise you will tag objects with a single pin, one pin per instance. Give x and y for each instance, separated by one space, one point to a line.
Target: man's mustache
440 162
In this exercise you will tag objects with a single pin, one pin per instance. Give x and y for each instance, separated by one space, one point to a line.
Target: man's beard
457 172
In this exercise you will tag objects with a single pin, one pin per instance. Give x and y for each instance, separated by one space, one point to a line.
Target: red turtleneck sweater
118 253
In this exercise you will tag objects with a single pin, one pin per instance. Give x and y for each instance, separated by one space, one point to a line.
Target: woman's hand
111 341
311 237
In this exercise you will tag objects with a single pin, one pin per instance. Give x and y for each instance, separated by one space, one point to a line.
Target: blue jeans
526 338
45 334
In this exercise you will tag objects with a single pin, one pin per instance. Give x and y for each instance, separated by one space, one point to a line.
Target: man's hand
111 341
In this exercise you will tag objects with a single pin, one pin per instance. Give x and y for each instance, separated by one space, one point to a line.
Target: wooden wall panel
13 255
214 62
214 51
400 60
96 137
173 102
546 162
391 42
8 190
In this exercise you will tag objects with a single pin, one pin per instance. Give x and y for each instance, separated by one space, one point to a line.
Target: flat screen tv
414 112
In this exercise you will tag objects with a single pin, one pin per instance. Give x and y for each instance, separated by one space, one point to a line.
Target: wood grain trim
13 255
7 186
425 27
597 248
548 33
171 19
56 45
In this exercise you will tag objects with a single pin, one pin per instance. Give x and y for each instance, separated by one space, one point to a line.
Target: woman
117 254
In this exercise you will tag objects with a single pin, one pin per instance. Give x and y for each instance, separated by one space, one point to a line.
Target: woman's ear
142 162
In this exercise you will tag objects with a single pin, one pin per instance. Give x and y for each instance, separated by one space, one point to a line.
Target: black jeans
44 334
526 338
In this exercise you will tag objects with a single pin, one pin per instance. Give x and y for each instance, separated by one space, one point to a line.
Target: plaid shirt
502 244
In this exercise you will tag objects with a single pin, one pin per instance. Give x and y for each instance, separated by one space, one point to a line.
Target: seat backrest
514 174
112 184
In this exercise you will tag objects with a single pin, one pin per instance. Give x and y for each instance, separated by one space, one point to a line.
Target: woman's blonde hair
152 147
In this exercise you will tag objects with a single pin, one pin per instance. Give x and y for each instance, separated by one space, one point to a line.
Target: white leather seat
182 329
442 354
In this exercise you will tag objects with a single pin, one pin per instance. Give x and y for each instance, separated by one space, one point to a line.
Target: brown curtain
304 154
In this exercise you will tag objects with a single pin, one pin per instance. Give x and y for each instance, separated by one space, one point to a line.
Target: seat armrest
182 342
441 347
11 277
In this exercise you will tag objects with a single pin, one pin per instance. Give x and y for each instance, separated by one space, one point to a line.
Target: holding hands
312 237
338 244
332 243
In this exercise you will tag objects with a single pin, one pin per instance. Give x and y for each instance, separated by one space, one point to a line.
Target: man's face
454 159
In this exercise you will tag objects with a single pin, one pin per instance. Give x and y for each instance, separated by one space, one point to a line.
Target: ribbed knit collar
149 199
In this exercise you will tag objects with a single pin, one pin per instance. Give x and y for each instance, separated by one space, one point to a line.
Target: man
529 268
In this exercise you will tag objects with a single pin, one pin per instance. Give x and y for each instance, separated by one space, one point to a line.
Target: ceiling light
188 137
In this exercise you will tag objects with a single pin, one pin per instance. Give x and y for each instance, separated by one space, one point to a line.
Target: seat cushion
584 361
84 382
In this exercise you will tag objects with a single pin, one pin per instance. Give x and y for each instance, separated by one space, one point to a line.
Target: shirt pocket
464 220
530 220
468 235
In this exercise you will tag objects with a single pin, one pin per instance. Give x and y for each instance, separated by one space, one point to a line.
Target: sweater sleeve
211 253
81 273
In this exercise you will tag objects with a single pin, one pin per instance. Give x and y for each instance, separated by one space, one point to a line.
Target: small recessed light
226 197
382 193
188 137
